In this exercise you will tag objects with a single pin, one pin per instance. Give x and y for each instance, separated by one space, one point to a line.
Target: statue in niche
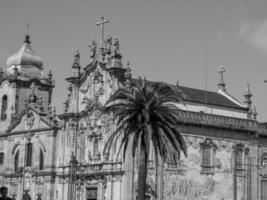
93 48
98 84
33 97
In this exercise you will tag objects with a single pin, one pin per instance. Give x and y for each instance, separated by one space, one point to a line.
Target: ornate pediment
29 119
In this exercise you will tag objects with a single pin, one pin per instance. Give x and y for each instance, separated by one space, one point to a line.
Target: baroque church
49 156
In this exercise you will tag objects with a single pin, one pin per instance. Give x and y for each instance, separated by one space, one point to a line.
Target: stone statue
93 48
76 58
108 44
116 49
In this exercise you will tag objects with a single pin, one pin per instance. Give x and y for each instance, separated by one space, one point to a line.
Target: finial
50 112
250 113
255 113
177 83
50 75
27 36
128 74
54 113
28 29
248 95
248 91
221 84
1 72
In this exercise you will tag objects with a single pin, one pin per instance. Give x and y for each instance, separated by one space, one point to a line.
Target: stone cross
28 29
101 23
221 71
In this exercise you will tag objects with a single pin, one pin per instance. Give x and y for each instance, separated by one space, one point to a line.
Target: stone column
254 173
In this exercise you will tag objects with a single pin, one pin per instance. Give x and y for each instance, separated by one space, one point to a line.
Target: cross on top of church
28 29
221 71
102 23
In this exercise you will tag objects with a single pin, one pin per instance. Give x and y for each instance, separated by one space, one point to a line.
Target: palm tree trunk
142 172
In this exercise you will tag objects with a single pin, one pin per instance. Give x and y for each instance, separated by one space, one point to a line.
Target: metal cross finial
101 23
28 29
221 71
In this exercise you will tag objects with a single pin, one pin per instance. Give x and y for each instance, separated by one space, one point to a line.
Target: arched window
29 155
4 108
208 149
16 162
41 160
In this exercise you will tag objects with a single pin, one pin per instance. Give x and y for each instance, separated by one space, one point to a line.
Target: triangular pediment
29 119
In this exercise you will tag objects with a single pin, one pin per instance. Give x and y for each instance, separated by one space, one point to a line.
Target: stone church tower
23 82
28 125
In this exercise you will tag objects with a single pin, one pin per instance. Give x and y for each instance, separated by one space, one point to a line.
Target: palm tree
146 115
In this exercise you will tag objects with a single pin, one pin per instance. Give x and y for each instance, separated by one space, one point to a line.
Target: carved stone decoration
98 83
29 119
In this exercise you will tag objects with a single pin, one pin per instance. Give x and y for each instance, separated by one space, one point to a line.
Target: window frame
208 147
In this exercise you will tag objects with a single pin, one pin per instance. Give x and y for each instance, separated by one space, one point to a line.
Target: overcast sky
164 40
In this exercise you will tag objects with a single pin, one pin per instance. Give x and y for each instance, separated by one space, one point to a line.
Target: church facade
49 156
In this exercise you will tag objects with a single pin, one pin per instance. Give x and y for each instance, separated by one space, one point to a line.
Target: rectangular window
91 193
207 165
264 190
1 158
239 159
264 160
206 156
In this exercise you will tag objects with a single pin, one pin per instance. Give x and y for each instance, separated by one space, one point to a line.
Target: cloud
255 33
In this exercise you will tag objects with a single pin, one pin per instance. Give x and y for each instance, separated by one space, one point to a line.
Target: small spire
255 113
50 112
250 113
221 84
248 95
27 36
50 75
1 72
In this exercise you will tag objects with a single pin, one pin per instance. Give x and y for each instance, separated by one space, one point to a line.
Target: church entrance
91 193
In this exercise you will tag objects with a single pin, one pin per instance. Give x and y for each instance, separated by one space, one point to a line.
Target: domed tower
23 82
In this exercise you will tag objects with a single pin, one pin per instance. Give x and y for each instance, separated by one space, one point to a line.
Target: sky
170 40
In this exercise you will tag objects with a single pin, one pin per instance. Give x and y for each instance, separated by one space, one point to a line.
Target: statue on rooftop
76 58
116 49
108 43
93 48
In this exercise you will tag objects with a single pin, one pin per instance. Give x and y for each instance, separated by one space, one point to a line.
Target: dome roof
25 57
